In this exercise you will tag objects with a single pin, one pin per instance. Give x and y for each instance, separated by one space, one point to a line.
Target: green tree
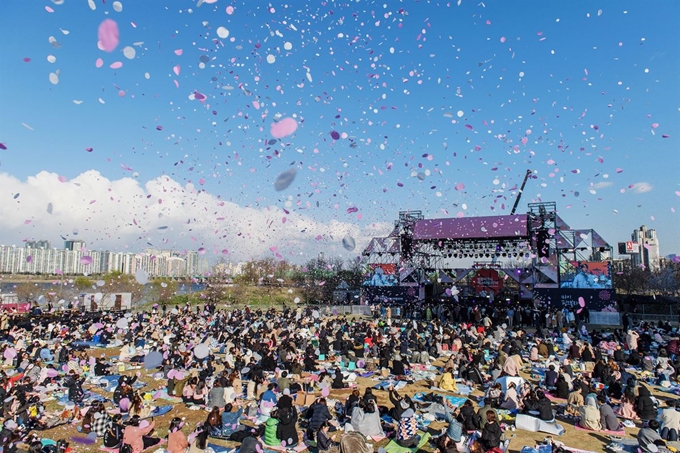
162 289
82 283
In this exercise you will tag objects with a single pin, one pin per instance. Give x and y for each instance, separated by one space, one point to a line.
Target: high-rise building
43 244
648 242
74 245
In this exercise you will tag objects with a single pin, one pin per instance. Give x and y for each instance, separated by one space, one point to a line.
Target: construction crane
514 207
519 194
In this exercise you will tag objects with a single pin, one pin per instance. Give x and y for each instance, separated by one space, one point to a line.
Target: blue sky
440 106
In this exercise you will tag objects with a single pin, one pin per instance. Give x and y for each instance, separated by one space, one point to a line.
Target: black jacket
491 436
286 428
645 406
469 418
544 408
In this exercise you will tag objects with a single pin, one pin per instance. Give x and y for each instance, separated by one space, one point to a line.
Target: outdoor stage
518 258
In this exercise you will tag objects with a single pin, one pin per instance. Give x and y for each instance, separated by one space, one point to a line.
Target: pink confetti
201 250
108 35
335 135
273 249
619 170
225 252
176 70
230 10
99 63
502 38
48 9
655 125
351 210
284 128
62 179
85 260
677 192
89 150
116 65
179 52
26 222
469 126
460 186
159 128
27 60
29 258
3 146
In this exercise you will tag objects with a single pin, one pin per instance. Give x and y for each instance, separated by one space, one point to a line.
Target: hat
404 404
408 413
286 391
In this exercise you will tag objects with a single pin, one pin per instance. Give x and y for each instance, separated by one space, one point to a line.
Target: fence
638 317
343 310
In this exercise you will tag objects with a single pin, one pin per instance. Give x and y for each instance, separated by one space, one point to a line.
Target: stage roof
491 227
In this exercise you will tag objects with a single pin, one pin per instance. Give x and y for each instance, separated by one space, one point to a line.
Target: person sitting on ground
562 387
398 367
590 416
137 436
286 430
670 422
544 407
627 408
644 405
114 434
511 401
492 397
177 441
448 381
324 443
270 429
551 377
468 417
338 380
317 414
366 419
492 433
407 430
354 442
608 419
649 440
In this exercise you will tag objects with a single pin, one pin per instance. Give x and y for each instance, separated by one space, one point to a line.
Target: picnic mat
457 401
394 447
611 433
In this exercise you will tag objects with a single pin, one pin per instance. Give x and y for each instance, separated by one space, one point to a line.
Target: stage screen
602 300
585 274
381 275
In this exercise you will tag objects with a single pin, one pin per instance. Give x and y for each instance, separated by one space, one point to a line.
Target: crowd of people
264 379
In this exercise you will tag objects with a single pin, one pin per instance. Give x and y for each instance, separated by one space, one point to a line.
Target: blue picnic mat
457 401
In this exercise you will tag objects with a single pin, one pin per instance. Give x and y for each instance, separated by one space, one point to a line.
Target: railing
344 310
638 317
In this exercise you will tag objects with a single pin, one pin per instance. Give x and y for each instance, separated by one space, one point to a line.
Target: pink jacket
133 436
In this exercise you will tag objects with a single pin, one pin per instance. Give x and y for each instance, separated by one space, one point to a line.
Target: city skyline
250 130
83 261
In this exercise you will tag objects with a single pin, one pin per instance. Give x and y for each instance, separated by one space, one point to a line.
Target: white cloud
124 215
641 187
602 185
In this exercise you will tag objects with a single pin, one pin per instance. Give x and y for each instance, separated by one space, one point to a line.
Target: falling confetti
285 179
